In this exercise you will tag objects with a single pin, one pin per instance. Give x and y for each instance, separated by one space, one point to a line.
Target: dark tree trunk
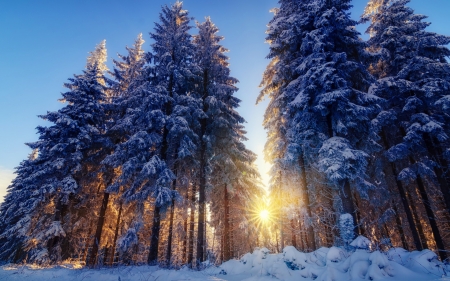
311 242
185 228
154 240
99 229
191 228
348 206
423 240
231 238
202 169
359 223
116 234
399 225
156 226
442 170
171 217
169 238
226 227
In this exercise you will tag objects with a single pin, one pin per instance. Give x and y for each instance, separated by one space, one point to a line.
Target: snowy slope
324 264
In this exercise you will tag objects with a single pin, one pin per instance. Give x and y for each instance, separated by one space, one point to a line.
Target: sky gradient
45 42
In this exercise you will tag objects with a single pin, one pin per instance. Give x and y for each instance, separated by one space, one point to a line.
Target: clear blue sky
47 41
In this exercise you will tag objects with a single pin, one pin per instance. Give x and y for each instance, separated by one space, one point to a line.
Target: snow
361 242
324 264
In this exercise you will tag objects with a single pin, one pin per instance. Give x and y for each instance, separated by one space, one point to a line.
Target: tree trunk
154 240
303 237
98 232
156 226
281 234
359 223
86 247
191 228
399 225
293 234
171 217
202 185
51 244
311 242
348 206
423 240
442 170
432 219
116 234
226 227
185 228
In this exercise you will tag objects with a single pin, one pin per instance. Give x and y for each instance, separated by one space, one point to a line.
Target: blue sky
47 41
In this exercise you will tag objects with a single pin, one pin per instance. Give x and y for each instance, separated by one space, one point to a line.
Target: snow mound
361 242
337 264
324 264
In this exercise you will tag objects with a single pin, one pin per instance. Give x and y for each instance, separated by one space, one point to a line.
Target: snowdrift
324 264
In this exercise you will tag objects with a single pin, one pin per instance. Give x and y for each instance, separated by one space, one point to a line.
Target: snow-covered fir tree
65 154
221 151
414 80
16 211
285 33
176 73
318 89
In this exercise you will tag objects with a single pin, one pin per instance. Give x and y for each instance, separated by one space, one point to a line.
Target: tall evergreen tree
126 74
175 74
63 156
16 211
414 79
322 101
221 135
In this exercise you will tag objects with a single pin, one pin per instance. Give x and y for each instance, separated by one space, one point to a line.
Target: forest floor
325 264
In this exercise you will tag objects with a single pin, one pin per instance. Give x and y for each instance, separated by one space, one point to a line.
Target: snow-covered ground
325 264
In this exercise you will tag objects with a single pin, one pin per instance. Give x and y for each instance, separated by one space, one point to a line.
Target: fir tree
221 132
64 152
414 79
319 86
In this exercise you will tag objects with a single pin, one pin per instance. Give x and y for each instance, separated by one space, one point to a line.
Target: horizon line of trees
137 159
358 131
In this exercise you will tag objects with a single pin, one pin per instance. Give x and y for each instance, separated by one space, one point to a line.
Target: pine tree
126 74
414 79
320 109
173 52
16 211
63 156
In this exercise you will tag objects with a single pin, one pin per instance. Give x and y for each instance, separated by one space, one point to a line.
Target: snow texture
324 264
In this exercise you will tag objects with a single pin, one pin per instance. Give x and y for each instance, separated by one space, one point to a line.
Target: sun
264 215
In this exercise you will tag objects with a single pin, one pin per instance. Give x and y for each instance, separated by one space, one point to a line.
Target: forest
146 163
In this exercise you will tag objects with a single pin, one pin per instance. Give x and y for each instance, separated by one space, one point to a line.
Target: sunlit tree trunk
202 170
99 229
171 217
311 242
191 227
226 227
116 234
421 233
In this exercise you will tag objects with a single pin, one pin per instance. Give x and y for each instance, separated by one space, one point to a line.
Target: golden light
264 215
